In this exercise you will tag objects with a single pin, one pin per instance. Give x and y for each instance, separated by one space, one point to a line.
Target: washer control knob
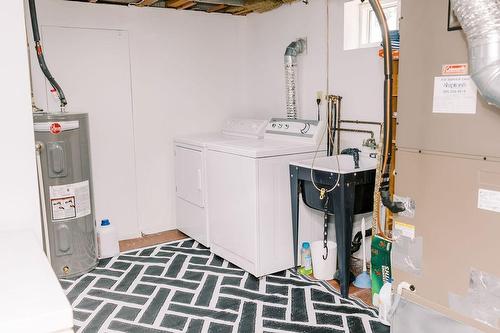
306 128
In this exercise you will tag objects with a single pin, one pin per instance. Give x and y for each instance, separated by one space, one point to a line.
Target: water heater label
70 201
488 200
57 127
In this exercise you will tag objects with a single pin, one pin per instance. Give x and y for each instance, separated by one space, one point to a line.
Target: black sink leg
343 202
294 191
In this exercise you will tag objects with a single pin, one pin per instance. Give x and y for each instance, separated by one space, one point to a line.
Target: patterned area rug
183 287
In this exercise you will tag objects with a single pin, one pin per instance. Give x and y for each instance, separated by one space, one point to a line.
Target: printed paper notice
70 201
407 230
454 94
488 200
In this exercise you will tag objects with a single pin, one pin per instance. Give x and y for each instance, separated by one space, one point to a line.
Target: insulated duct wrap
294 49
291 88
480 20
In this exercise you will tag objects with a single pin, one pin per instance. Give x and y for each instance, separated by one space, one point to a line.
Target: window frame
364 21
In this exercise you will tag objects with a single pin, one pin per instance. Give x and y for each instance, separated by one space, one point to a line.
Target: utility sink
345 163
349 191
326 171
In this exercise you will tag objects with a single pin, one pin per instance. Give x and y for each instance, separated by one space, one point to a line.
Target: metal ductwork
292 51
480 20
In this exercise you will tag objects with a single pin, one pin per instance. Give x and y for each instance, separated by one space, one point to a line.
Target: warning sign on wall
455 69
70 201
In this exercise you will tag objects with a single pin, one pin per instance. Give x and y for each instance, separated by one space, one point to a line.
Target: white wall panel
93 67
184 75
189 71
19 202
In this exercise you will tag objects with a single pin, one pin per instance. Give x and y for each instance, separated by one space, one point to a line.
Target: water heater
65 181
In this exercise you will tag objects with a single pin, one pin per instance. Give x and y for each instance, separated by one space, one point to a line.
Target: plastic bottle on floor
107 240
306 259
385 302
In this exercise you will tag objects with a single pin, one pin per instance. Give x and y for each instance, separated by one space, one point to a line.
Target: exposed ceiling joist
176 3
216 8
187 5
234 7
238 3
146 3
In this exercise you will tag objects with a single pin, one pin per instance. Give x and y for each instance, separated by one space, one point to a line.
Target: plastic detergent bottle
306 259
107 240
385 302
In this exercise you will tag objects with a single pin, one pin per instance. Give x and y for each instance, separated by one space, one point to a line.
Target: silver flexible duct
292 51
480 20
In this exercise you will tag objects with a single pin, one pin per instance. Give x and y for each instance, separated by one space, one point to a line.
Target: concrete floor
172 235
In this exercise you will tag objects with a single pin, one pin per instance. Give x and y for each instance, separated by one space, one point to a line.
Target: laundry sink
345 163
326 171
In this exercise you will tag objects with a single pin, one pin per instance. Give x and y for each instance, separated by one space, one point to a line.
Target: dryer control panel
295 129
253 128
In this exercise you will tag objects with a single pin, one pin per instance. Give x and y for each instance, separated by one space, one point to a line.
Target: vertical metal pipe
41 189
338 100
385 195
386 43
330 128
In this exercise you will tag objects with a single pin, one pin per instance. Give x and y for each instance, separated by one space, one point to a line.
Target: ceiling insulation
235 7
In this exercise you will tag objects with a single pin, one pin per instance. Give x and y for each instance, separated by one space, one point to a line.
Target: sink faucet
355 155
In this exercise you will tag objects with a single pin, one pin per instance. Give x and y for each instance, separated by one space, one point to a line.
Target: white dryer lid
233 129
203 139
259 148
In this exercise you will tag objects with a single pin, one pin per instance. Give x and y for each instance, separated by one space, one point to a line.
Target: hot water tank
65 180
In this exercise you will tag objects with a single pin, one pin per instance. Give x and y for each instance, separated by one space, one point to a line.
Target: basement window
361 29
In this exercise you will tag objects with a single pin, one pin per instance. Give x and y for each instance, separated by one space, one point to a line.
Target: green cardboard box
380 265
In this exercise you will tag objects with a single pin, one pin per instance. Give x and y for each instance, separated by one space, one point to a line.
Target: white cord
327 47
314 159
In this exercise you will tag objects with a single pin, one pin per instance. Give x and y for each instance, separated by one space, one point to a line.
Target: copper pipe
355 131
361 122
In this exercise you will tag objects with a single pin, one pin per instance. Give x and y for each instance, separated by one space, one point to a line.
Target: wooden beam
243 11
176 3
216 8
146 3
187 5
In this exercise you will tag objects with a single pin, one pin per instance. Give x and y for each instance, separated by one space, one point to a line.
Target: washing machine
190 173
249 194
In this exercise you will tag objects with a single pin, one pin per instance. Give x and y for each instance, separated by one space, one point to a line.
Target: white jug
107 240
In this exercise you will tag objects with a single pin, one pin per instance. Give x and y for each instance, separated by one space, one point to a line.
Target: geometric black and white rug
182 287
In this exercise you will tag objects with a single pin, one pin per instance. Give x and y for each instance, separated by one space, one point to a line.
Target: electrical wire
327 47
41 58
